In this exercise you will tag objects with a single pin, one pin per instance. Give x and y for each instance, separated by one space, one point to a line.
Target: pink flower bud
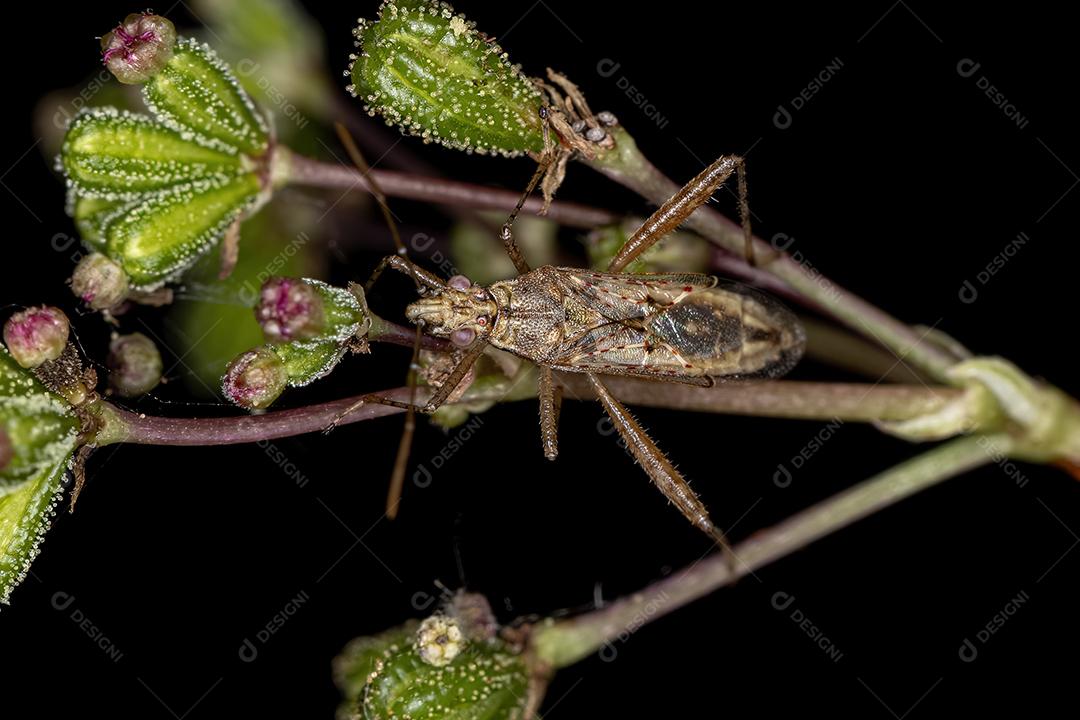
138 48
36 335
255 379
290 309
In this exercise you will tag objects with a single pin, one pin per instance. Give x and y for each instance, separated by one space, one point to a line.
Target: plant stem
559 643
301 170
627 166
819 401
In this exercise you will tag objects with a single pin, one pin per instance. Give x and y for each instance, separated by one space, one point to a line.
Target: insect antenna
401 462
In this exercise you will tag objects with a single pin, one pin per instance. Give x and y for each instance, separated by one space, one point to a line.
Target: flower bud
138 48
485 680
255 379
134 365
99 282
439 640
36 335
430 72
292 309
289 309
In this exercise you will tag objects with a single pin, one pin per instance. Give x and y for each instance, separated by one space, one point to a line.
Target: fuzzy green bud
481 681
430 72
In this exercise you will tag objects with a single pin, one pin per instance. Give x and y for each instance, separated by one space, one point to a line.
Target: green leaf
116 155
197 90
166 233
42 432
430 72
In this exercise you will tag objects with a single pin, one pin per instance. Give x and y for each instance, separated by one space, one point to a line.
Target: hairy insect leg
550 403
472 354
659 469
405 266
682 204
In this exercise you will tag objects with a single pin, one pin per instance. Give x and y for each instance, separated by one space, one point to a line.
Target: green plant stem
558 643
627 166
818 401
300 170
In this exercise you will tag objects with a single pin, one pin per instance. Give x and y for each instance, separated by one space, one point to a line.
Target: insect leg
682 204
472 354
550 403
405 266
660 470
507 232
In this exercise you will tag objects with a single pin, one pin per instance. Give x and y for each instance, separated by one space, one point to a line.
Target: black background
900 180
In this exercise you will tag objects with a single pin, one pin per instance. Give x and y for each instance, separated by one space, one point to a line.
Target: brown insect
679 327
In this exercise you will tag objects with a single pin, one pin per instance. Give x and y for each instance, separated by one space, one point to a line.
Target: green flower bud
255 379
38 433
482 680
430 72
36 335
134 365
99 282
139 47
196 91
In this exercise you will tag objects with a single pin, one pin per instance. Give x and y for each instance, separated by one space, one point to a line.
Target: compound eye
463 337
459 282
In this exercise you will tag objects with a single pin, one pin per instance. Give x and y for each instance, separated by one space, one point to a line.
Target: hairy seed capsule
38 432
138 48
431 73
255 379
134 365
36 335
99 282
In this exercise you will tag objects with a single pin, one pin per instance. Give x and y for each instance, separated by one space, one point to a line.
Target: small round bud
290 309
255 379
134 365
439 640
6 451
99 282
595 135
36 335
607 118
138 48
